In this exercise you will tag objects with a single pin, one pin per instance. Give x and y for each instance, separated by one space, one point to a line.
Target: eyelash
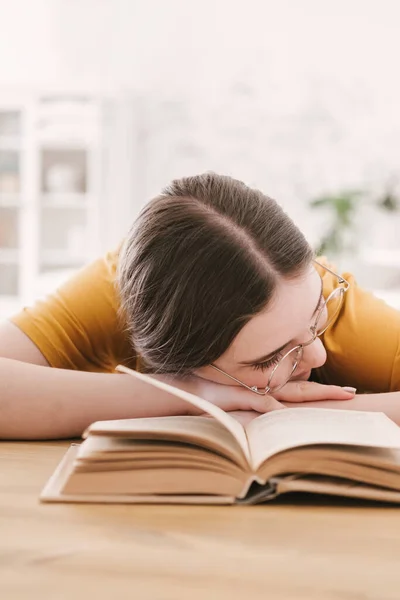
268 363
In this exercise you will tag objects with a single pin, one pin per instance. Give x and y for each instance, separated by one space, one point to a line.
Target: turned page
236 429
293 427
198 431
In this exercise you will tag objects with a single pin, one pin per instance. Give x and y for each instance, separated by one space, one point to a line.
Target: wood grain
319 551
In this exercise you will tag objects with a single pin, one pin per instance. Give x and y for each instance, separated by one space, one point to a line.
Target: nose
314 355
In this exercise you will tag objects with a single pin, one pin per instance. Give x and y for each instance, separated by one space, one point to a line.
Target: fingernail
351 390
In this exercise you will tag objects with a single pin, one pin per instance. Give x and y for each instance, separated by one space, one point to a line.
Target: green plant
342 207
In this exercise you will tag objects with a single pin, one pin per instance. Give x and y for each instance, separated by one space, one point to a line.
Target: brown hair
201 260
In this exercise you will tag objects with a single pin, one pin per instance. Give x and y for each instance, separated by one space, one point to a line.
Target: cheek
323 318
255 377
211 374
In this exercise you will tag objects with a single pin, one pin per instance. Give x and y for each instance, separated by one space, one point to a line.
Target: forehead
286 317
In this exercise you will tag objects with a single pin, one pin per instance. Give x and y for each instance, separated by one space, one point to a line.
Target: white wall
295 97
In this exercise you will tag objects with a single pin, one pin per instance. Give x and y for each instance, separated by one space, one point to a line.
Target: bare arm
39 402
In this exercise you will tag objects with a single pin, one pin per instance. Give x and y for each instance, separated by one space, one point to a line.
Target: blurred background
103 102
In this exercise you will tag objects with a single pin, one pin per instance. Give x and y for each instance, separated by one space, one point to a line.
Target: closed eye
267 364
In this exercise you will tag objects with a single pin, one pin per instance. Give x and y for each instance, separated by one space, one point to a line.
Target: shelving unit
11 159
71 200
51 184
12 200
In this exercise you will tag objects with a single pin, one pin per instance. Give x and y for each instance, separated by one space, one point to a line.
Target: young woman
214 290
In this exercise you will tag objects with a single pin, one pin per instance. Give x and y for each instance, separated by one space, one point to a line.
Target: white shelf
71 200
10 142
10 200
68 143
60 258
9 256
36 133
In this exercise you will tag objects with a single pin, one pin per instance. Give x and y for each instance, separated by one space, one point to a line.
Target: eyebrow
272 354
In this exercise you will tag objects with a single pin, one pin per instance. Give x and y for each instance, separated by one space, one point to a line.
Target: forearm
40 402
388 403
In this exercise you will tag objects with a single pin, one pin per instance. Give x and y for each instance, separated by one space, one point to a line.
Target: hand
235 398
310 391
300 394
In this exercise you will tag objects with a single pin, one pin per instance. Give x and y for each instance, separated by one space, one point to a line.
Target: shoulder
363 343
79 325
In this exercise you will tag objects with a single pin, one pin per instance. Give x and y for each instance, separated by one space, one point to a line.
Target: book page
235 428
199 431
335 487
292 427
53 490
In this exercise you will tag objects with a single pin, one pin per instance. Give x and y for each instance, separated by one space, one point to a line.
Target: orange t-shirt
79 327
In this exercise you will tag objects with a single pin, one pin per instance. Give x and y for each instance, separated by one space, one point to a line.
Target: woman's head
207 260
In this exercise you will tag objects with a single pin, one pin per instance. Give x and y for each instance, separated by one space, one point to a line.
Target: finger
309 391
263 404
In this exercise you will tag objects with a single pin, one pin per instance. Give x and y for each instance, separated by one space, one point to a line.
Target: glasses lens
284 369
331 311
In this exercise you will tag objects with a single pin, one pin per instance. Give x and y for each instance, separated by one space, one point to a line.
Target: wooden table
286 551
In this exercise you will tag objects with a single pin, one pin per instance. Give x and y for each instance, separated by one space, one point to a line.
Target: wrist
176 405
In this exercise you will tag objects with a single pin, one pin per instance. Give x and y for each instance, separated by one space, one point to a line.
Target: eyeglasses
287 365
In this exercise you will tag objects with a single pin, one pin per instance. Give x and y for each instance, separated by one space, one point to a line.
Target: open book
198 459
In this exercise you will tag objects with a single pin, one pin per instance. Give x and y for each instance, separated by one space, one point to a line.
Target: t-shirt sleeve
79 326
363 344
